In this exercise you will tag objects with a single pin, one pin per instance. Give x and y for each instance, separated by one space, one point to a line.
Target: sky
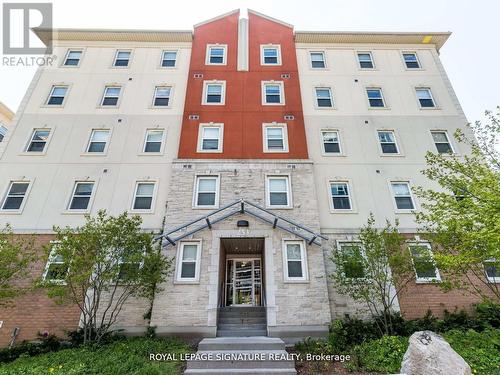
471 56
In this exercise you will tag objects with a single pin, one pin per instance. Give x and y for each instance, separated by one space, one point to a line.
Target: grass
126 356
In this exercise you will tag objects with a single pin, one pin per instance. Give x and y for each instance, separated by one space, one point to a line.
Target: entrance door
243 282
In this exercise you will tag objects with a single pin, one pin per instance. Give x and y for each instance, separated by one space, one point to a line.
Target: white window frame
6 195
287 177
282 92
339 248
92 132
332 100
224 57
453 151
155 92
349 196
284 129
403 53
417 88
63 65
72 195
371 59
303 254
398 149
102 105
382 96
180 253
277 47
494 280
52 88
26 148
153 197
424 280
3 132
204 99
52 255
323 150
116 57
203 126
197 179
162 58
391 190
162 145
310 53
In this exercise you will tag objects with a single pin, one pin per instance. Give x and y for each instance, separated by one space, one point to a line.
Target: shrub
350 331
47 343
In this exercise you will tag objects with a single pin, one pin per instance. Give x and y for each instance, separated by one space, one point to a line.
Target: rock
429 354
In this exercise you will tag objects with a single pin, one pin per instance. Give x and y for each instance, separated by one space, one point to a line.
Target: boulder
429 354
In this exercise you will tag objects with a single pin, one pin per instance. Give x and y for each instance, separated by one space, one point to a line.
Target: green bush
119 357
381 355
350 331
47 343
481 350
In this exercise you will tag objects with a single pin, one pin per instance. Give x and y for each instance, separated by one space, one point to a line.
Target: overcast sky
471 56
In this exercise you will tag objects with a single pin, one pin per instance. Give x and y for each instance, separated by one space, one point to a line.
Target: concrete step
246 314
241 332
242 371
242 327
242 343
242 308
223 359
242 320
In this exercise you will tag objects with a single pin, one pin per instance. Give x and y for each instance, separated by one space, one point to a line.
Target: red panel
243 113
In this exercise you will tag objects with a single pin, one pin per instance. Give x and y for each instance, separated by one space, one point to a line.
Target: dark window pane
110 101
324 103
492 269
444 148
56 271
389 148
214 98
79 203
210 144
206 199
294 269
272 98
318 64
426 103
36 147
404 203
278 199
275 144
18 189
161 102
412 65
188 270
56 100
376 103
168 63
341 203
216 59
142 203
97 146
332 148
153 147
72 62
271 59
122 62
128 271
366 64
12 203
354 269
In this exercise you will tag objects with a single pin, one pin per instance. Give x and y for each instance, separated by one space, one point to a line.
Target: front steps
268 349
242 321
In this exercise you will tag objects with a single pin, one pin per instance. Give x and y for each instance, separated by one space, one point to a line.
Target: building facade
6 116
254 149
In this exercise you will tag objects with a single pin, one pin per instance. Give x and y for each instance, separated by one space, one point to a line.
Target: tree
107 261
375 270
462 219
16 258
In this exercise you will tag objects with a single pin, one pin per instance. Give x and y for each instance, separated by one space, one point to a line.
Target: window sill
273 104
391 155
352 211
99 154
427 281
214 104
160 107
205 207
379 108
279 207
75 212
209 151
287 281
11 212
405 212
161 153
430 108
333 154
186 282
325 108
32 153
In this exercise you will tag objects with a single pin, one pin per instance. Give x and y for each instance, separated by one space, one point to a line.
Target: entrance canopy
241 206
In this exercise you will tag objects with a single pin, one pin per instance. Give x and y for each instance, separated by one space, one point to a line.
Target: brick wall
34 312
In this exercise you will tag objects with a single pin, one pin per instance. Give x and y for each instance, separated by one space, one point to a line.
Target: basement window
56 268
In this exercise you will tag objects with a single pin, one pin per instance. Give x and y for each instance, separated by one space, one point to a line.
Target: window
129 267
214 93
168 59
210 138
340 196
278 191
162 96
365 60
442 142
111 95
425 98
154 140
98 141
423 262
275 138
57 95
492 270
273 93
14 198
411 60
318 60
56 268
122 58
207 192
331 141
324 97
80 199
375 97
216 55
352 258
3 132
38 140
189 261
73 58
295 261
402 195
270 55
143 196
388 142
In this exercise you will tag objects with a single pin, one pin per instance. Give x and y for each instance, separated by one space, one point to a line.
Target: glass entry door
243 282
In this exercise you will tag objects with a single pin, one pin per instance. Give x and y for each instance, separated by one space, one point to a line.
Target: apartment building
251 148
6 116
